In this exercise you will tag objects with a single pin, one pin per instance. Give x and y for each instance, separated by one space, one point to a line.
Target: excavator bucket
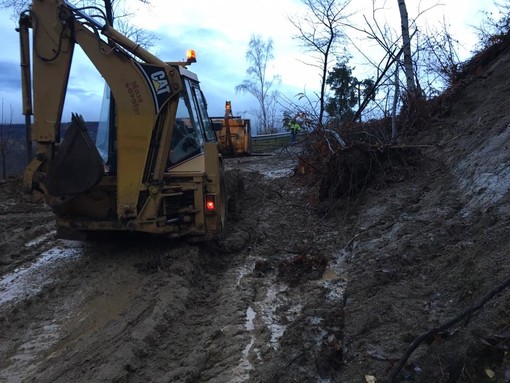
77 166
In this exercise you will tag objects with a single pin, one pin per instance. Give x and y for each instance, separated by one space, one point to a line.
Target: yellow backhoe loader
155 166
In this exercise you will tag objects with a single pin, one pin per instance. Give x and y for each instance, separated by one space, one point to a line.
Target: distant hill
13 139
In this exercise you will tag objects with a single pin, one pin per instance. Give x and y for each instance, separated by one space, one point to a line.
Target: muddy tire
234 187
224 213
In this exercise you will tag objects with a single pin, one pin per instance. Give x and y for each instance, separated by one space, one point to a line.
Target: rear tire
235 188
223 208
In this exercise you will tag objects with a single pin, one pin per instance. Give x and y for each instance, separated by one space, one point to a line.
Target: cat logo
160 82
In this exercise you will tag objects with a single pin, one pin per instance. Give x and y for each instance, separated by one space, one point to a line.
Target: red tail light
210 203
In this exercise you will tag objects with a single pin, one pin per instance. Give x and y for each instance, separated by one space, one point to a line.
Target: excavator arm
141 89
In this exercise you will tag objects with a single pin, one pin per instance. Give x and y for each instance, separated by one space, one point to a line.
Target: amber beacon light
191 56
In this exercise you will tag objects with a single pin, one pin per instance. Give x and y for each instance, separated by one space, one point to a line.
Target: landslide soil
299 290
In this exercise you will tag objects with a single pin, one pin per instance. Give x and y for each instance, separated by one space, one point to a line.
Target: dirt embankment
432 245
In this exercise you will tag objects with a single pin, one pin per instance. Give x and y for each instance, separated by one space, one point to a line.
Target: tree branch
430 334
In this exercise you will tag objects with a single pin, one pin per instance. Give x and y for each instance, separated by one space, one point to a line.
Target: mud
298 290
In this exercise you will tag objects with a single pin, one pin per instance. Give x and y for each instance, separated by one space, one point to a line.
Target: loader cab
197 104
192 127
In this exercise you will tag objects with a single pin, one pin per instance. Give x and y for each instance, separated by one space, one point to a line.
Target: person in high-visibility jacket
294 128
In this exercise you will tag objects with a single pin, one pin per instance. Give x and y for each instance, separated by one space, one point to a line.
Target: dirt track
298 291
132 309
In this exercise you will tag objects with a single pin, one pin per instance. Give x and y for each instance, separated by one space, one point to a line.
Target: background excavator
155 166
234 137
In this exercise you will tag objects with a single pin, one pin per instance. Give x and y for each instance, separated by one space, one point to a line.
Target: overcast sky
219 32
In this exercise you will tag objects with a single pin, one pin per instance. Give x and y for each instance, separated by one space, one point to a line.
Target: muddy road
260 305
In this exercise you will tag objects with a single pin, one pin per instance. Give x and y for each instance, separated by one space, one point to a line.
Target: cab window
187 141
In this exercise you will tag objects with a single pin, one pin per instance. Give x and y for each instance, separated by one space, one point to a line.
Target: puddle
275 298
278 173
250 326
40 239
242 372
27 281
250 316
24 283
241 273
334 279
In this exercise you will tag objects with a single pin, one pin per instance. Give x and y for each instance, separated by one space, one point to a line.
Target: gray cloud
10 76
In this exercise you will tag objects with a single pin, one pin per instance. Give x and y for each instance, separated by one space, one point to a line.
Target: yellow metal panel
52 53
135 112
193 165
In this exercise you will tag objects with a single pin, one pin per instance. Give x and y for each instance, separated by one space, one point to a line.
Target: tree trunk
109 12
408 61
394 131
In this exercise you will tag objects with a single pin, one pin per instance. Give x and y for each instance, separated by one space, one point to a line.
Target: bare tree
116 10
320 33
406 44
259 55
386 38
112 9
406 49
494 25
17 6
440 57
